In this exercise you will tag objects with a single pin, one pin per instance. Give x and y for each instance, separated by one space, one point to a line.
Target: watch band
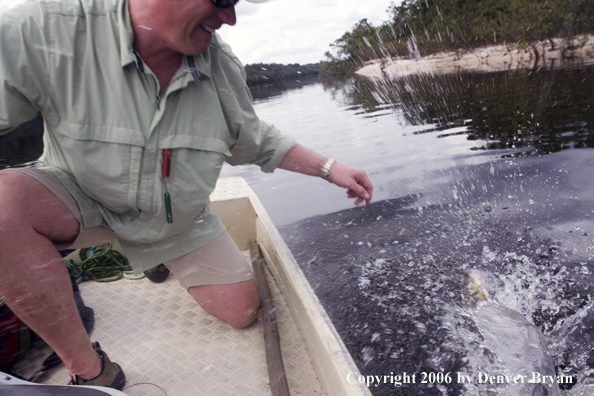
325 173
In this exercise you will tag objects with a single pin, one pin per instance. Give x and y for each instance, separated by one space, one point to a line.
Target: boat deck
167 345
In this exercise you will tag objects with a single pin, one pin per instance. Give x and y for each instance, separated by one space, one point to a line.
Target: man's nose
227 15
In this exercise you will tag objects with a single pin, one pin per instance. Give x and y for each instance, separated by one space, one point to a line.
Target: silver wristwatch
325 174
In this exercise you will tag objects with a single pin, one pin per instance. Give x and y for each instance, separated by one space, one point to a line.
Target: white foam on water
496 334
499 337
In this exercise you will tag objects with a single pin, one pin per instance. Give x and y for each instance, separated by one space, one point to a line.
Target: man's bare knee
236 304
25 202
244 319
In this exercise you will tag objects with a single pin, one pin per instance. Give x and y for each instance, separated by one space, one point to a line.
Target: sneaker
157 274
111 374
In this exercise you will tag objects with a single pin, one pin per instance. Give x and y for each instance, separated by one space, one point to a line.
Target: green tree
262 73
421 27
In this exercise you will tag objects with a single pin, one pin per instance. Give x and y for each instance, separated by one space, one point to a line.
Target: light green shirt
106 127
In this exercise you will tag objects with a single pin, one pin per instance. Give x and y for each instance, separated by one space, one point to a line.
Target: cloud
291 31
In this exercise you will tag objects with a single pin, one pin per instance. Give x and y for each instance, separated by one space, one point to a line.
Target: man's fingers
363 191
354 180
363 196
366 185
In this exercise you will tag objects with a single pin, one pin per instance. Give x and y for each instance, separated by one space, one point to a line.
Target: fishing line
145 383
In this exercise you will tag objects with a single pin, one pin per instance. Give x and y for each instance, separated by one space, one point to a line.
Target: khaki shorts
219 262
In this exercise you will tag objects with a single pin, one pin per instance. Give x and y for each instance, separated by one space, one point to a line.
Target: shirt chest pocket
196 162
120 169
103 160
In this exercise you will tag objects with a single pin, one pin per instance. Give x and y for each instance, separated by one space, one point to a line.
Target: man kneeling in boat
142 102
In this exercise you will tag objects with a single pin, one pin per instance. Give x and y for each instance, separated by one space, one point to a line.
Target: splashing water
492 325
506 354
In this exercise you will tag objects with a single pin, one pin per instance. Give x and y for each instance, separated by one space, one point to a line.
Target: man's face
187 26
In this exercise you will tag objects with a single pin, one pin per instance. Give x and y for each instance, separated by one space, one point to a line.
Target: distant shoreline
493 58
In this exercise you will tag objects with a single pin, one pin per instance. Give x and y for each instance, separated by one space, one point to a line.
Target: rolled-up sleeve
262 145
255 141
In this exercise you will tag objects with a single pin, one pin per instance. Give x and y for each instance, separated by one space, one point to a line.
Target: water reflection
268 91
534 112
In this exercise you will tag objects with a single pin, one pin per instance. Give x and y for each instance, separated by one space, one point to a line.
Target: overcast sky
291 31
296 31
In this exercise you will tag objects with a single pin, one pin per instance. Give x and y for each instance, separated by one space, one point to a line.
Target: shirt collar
127 53
202 62
126 34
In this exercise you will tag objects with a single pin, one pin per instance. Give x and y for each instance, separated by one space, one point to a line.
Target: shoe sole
120 379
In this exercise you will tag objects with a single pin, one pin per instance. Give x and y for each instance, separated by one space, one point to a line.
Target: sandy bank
493 58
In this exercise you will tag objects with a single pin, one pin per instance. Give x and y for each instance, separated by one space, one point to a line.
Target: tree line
421 27
265 73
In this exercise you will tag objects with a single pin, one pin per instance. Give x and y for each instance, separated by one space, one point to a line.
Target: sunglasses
224 3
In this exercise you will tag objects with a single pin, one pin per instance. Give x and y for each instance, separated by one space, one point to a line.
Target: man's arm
23 68
355 180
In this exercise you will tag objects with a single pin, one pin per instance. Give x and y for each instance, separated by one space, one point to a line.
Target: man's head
184 26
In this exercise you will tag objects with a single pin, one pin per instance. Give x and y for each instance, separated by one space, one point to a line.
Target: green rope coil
101 265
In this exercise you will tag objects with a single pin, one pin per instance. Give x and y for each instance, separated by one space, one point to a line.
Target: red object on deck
10 340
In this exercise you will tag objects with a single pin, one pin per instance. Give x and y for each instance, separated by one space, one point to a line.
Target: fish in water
512 356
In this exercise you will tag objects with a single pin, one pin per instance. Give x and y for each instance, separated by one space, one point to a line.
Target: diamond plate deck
167 345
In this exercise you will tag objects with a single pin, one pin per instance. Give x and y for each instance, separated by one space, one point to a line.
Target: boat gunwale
329 356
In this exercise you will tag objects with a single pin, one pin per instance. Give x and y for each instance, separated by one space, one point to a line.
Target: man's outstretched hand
355 180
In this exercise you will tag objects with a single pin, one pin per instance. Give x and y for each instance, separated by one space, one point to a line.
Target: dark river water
489 172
